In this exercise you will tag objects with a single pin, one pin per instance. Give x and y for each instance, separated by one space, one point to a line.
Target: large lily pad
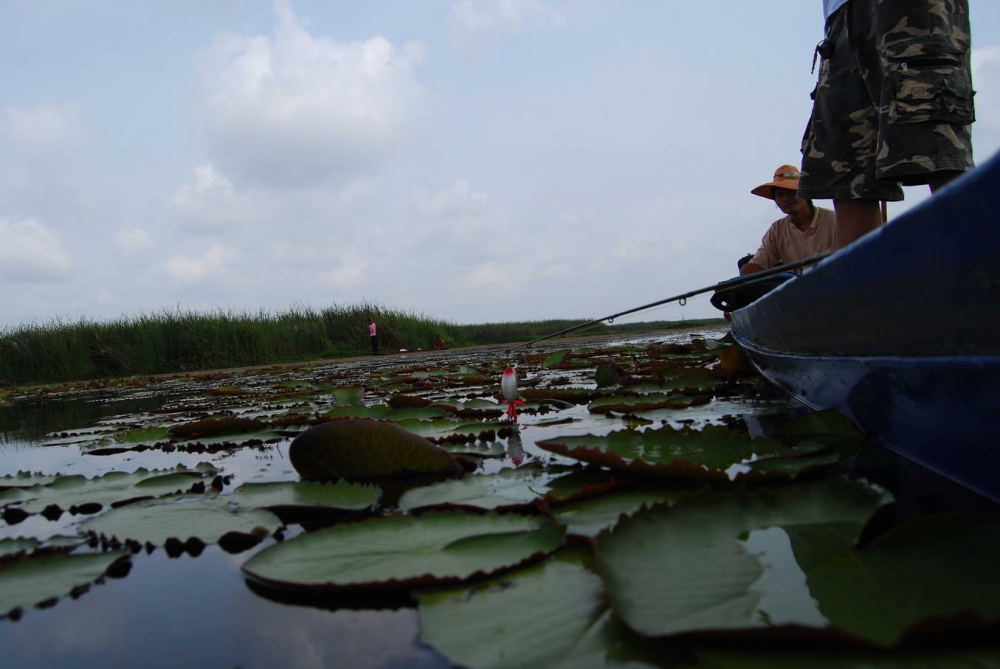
589 517
547 615
182 519
786 557
686 453
397 551
36 579
366 449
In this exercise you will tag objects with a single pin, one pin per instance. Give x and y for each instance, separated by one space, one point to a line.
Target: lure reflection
508 386
515 449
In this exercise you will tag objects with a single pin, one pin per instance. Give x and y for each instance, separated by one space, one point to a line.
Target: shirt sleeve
767 255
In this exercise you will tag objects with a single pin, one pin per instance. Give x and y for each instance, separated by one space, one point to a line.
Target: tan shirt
784 243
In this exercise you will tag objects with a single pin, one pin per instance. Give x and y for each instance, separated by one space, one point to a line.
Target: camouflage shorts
893 103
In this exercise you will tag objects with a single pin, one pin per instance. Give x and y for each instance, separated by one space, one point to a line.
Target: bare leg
941 179
855 219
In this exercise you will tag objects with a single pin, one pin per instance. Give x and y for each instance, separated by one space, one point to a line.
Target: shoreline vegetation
186 341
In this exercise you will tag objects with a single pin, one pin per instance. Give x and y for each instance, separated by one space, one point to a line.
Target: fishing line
682 299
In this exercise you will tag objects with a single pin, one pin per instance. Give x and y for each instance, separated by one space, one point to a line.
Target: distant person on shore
805 230
373 335
438 343
893 106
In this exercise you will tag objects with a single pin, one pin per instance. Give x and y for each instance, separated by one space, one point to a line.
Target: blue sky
471 160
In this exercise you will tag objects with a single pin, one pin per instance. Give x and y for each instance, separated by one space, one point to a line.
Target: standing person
373 335
892 107
806 230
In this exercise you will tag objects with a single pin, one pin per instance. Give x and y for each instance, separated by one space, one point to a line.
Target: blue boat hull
901 333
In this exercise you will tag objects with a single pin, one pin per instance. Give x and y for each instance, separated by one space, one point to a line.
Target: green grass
170 342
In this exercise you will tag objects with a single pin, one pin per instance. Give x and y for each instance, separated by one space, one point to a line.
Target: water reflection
198 612
28 420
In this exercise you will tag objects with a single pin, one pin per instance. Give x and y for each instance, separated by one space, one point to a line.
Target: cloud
986 79
193 270
44 128
473 17
210 201
30 252
296 108
456 209
132 239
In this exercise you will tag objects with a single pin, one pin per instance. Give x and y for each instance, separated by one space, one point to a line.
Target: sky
467 160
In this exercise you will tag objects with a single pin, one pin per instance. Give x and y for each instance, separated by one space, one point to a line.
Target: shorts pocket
927 79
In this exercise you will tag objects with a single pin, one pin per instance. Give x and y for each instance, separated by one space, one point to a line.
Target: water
199 611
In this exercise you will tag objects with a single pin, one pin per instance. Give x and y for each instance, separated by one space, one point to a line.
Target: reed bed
179 341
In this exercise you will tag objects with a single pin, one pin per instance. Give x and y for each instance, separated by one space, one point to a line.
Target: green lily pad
68 492
443 428
632 403
507 488
554 359
147 435
784 557
685 453
416 413
25 480
10 547
36 579
550 615
366 449
350 395
357 411
401 551
304 494
589 517
213 427
181 519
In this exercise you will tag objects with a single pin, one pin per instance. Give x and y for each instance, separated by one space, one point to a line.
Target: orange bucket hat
786 176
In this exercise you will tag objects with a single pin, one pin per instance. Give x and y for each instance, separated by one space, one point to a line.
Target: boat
900 332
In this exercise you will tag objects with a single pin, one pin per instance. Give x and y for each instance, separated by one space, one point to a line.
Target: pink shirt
371 329
785 243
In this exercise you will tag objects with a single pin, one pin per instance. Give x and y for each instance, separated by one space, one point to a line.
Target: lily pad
68 492
401 551
550 615
684 453
181 519
631 403
554 359
304 494
506 489
589 517
977 658
366 449
782 557
36 579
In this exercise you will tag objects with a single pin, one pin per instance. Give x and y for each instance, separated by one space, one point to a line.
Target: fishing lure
508 385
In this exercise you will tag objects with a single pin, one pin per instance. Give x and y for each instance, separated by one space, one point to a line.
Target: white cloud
211 201
45 127
30 252
457 209
186 269
297 107
482 16
132 239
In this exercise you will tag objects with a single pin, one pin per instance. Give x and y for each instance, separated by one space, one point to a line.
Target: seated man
438 343
806 230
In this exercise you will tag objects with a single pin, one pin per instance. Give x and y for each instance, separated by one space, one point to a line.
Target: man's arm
750 268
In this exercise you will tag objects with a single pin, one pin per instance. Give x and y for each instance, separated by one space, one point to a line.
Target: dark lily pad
213 427
402 551
631 403
589 517
366 449
35 579
955 658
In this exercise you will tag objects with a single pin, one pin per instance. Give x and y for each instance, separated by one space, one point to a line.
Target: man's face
788 202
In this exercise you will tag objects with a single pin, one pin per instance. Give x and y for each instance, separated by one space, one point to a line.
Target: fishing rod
722 286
